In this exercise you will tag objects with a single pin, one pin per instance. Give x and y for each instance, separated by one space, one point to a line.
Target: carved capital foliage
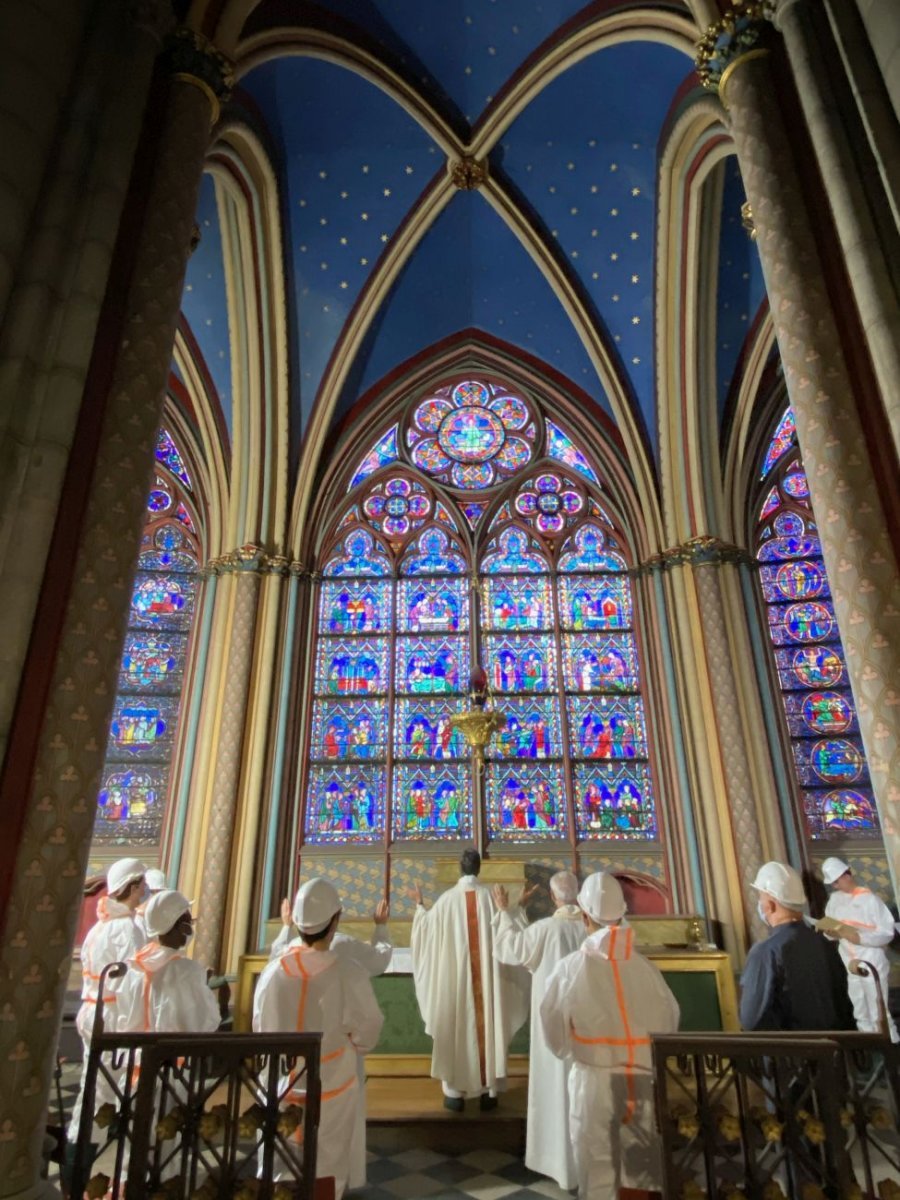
468 174
251 559
704 551
744 29
192 58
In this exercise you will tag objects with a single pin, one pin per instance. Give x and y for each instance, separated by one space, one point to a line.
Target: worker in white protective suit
538 948
374 957
114 938
471 1003
866 927
310 988
155 881
601 1005
164 991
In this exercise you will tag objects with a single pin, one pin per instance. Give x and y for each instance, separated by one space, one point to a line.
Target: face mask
762 915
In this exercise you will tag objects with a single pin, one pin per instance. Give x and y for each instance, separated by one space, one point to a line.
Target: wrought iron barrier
773 1115
198 1116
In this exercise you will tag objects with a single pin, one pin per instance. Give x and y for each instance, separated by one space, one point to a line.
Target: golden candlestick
479 724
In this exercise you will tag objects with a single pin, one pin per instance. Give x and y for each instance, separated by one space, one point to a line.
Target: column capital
702 551
742 32
193 59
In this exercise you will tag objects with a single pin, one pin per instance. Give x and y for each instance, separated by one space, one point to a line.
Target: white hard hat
123 872
601 897
833 869
156 879
314 905
782 883
163 911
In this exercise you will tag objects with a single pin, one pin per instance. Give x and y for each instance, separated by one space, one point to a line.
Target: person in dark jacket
794 979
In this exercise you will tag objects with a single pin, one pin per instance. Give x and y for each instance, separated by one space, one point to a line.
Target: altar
702 981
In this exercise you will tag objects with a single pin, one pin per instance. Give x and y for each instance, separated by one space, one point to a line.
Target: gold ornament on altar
479 724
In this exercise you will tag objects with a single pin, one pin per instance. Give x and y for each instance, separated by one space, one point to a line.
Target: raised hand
382 912
286 918
501 896
528 891
415 893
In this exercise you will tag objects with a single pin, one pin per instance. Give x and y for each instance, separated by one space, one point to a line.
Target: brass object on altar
478 726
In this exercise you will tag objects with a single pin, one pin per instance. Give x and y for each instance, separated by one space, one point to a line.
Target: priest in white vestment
471 1004
374 956
538 948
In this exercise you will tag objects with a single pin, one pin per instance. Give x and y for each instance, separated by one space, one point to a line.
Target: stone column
845 184
51 809
735 59
225 720
731 806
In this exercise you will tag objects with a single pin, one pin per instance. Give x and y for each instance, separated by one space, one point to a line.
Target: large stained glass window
131 802
829 762
475 533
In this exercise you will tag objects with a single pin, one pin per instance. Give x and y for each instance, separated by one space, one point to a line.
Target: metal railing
200 1116
772 1115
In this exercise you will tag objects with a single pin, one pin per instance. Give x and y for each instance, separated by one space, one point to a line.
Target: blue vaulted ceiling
580 162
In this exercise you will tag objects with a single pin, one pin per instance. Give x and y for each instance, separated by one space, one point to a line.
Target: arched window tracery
135 780
475 533
829 762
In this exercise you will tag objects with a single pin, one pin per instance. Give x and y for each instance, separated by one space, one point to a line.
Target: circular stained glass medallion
845 809
472 475
471 435
808 622
817 666
827 712
788 524
396 506
798 579
158 501
549 502
836 760
795 485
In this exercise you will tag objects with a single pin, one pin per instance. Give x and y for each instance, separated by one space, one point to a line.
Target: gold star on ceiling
343 241
324 266
408 170
344 284
614 166
615 298
365 169
323 174
635 279
594 189
636 361
595 275
613 212
363 262
635 320
593 233
614 256
384 237
387 191
364 216
634 235
344 195
635 191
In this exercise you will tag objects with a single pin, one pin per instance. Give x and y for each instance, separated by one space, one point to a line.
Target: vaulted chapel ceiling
570 220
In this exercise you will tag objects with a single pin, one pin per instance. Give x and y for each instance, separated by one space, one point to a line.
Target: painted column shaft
859 557
867 269
52 853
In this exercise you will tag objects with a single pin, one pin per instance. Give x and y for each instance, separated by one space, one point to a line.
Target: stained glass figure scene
829 760
133 791
422 583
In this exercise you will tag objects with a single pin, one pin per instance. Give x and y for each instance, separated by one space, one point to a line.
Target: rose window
397 506
471 436
548 501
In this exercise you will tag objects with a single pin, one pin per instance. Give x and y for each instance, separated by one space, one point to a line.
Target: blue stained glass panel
810 667
525 802
790 547
359 554
142 727
614 803
841 812
130 804
152 663
166 560
797 579
162 601
530 729
513 553
830 762
427 666
422 729
561 447
382 453
349 729
355 606
820 713
607 728
517 605
781 442
434 553
589 550
432 801
520 663
433 605
594 664
345 804
355 667
806 621
595 602
167 453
